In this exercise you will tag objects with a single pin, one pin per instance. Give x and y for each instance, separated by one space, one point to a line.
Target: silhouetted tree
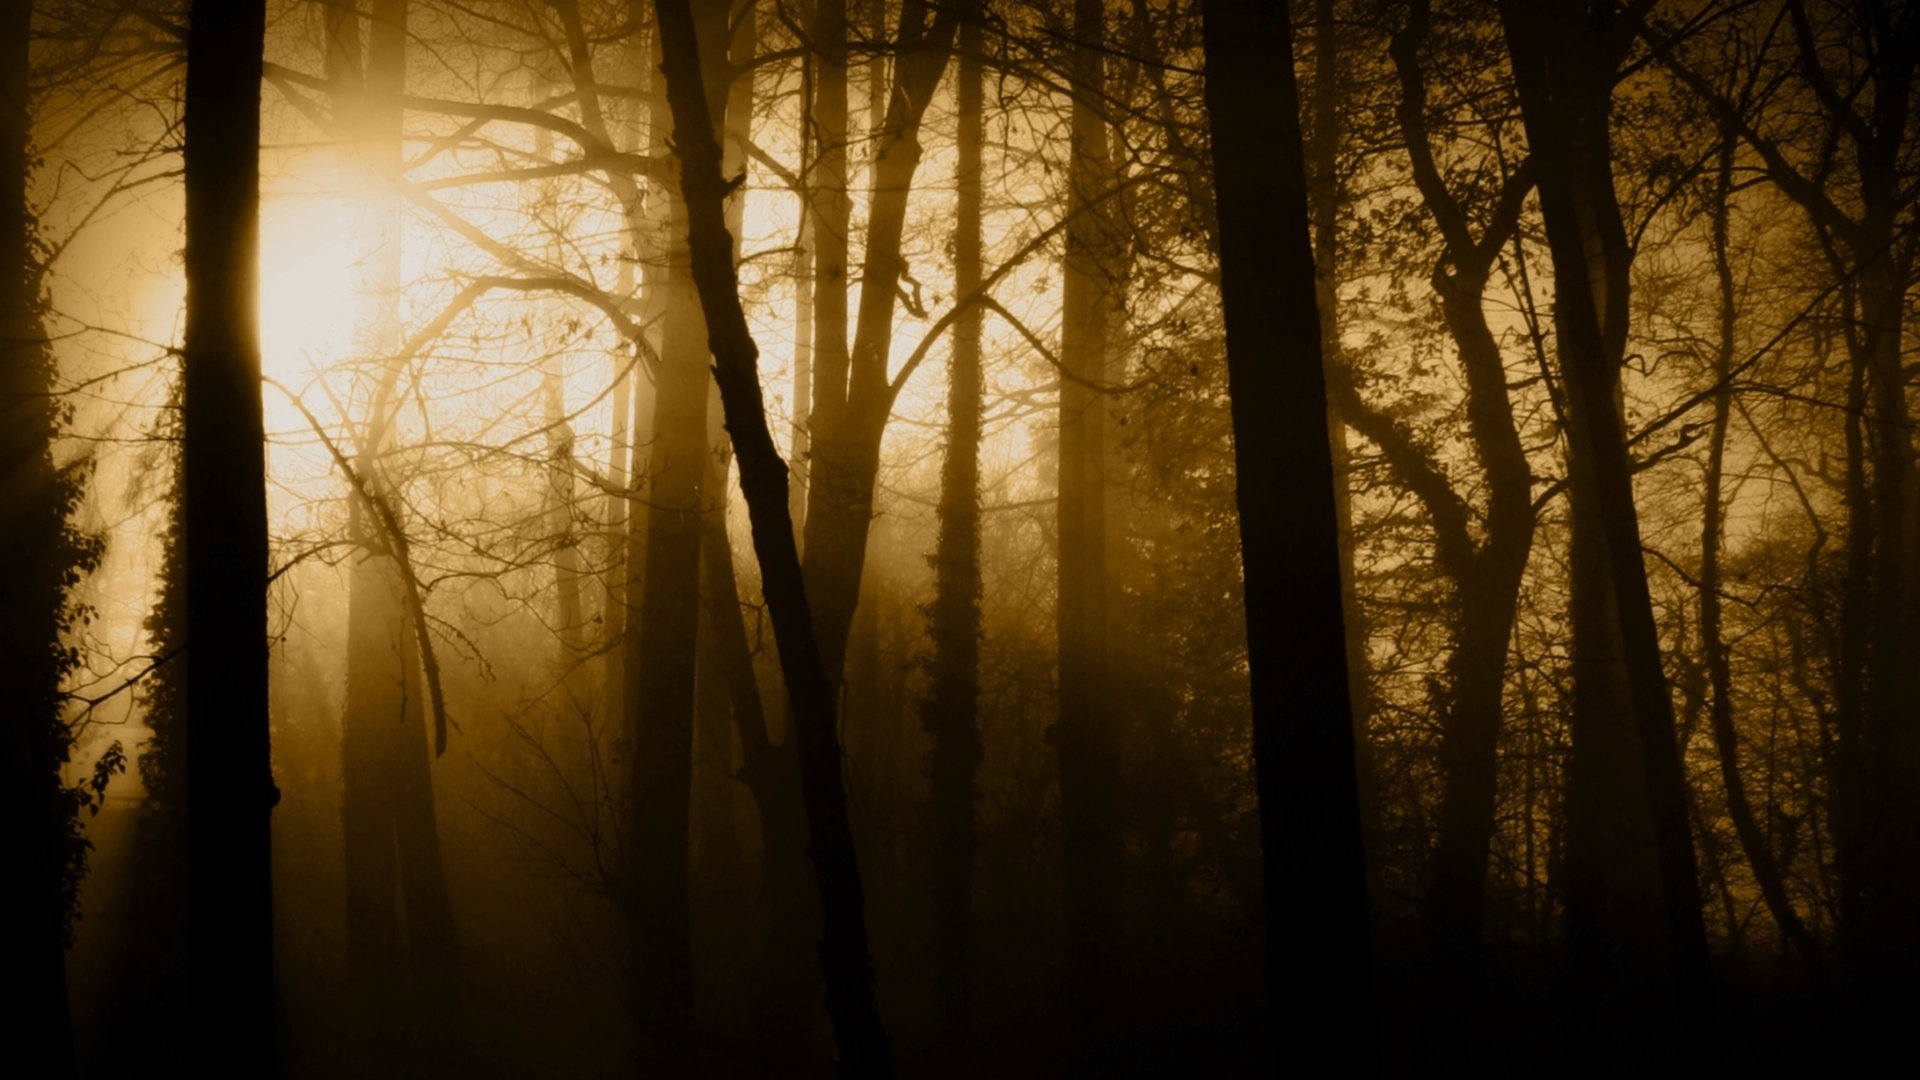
231 793
864 1047
950 710
1319 959
1565 61
1485 573
1086 736
45 854
661 687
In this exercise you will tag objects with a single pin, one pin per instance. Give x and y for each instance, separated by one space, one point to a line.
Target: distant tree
1319 956
1837 139
1086 737
950 710
402 957
231 793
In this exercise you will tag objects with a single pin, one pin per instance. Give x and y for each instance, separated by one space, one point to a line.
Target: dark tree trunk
832 210
771 770
1753 838
1885 958
1485 576
852 398
1086 737
1314 867
230 775
1565 61
950 712
36 550
864 1047
661 686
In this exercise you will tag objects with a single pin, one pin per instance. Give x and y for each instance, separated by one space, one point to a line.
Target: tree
661 686
864 1047
1312 860
402 957
231 793
1485 575
45 557
949 712
852 397
1086 737
1844 161
1565 62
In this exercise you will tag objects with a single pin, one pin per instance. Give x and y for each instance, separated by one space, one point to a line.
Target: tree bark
662 685
1314 868
1485 576
231 789
852 398
1565 61
950 712
865 1050
1753 839
1086 737
36 498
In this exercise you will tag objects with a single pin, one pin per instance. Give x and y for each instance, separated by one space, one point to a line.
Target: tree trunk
852 398
865 1050
1753 839
661 687
832 210
230 919
1565 62
36 548
950 712
771 771
570 613
1086 737
1887 963
1312 858
403 977
1485 578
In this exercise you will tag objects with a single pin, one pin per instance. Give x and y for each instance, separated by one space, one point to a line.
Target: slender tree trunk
34 546
1315 870
950 712
1564 66
230 919
832 210
1086 737
1485 577
771 770
632 405
1488 594
865 1050
402 955
852 398
569 601
1888 963
663 683
1846 781
1753 839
